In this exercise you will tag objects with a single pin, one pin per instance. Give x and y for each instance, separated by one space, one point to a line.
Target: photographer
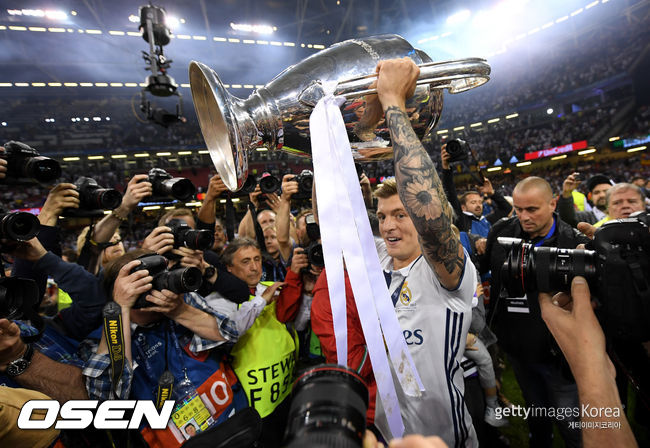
598 185
170 339
105 234
215 275
267 345
263 217
469 209
517 321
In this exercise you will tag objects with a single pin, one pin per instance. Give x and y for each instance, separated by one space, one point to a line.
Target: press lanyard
548 235
395 296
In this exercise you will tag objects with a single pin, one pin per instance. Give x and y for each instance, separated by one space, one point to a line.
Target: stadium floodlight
459 17
172 22
549 111
258 29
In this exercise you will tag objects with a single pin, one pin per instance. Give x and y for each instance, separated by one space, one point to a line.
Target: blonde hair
387 189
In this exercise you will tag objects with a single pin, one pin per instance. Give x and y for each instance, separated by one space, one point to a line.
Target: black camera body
185 236
616 266
25 165
305 182
164 185
178 281
269 183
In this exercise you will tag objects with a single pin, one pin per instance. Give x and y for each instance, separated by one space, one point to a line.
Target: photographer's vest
265 358
214 380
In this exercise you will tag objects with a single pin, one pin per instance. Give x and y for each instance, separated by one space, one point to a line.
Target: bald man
517 321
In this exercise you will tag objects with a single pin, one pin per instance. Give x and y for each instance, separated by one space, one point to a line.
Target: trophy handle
456 75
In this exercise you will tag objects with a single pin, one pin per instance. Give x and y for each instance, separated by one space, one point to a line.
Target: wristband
121 218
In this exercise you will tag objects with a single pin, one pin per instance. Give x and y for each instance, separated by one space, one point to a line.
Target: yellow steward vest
265 359
603 221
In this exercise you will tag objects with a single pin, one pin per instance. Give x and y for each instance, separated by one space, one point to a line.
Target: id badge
518 305
191 416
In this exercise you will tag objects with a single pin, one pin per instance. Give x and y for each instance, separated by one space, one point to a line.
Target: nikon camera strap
114 335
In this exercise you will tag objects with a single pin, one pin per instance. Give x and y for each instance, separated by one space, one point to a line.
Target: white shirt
435 322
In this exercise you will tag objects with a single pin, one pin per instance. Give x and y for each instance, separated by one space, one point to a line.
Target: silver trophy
277 115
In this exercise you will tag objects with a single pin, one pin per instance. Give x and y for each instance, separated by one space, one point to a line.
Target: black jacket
523 335
572 217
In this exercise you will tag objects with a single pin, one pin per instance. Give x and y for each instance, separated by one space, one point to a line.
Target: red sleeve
323 325
288 301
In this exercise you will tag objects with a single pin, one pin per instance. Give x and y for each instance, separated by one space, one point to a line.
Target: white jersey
435 322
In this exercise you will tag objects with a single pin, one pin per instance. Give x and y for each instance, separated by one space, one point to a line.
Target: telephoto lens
185 236
328 408
92 196
18 226
178 281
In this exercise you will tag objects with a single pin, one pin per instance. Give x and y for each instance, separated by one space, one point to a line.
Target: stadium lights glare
95 157
515 115
524 163
549 111
459 128
494 168
151 207
493 120
4 123
204 151
459 17
70 159
49 14
258 29
475 125
613 139
560 157
172 22
638 148
163 154
586 151
442 131
133 18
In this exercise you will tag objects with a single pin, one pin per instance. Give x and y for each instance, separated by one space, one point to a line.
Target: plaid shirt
97 367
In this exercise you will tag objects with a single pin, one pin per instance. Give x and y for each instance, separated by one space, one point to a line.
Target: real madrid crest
405 294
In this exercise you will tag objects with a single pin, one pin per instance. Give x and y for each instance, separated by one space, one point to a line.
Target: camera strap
231 220
113 332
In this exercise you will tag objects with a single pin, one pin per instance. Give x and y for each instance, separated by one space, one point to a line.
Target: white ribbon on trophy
346 235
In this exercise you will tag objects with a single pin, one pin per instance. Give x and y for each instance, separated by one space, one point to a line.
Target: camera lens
42 169
315 255
249 185
306 183
179 280
458 150
328 408
179 188
269 184
197 239
104 198
545 269
19 226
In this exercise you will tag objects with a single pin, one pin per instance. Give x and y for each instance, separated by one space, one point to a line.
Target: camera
185 236
305 182
26 165
616 265
92 196
314 250
163 184
178 281
460 153
328 408
18 226
269 183
19 299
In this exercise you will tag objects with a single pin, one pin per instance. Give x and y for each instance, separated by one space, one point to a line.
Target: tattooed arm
418 184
